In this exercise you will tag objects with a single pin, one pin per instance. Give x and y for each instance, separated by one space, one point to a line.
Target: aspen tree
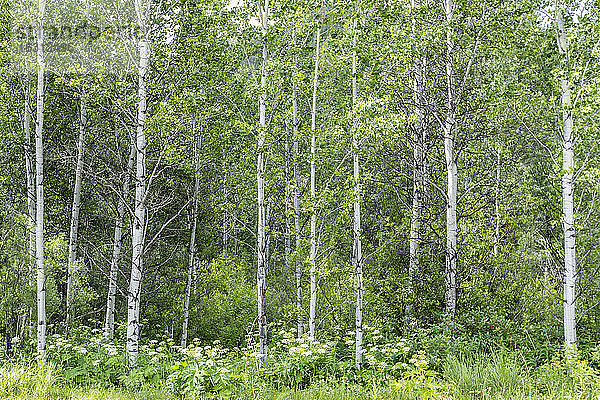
192 247
138 233
261 246
297 227
39 183
313 198
568 155
75 208
451 167
418 169
109 320
357 244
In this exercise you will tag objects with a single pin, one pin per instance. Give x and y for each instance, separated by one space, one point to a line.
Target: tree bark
357 243
451 167
570 330
288 221
138 234
73 233
39 182
313 199
192 248
299 294
497 200
261 245
109 321
225 203
418 175
31 197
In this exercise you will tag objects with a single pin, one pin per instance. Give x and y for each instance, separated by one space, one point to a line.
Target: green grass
497 377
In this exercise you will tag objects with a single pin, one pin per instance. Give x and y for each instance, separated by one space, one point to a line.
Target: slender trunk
30 175
357 243
417 200
261 274
449 136
192 248
497 200
137 236
73 233
299 295
109 321
313 199
567 196
288 222
225 202
39 182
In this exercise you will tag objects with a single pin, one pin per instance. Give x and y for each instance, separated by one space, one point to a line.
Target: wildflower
217 342
321 351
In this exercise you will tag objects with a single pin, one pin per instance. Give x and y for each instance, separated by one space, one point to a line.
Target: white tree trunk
449 137
299 294
418 178
288 221
567 196
30 185
497 200
225 203
313 200
109 321
30 174
261 245
138 234
357 243
73 233
39 182
192 248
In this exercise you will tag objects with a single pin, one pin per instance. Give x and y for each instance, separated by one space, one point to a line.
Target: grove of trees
423 167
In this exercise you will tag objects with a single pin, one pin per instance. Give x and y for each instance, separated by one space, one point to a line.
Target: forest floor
88 366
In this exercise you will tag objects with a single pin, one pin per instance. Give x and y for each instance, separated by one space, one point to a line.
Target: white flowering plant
86 356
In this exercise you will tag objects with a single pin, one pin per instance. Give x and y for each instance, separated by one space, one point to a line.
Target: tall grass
499 375
17 380
502 376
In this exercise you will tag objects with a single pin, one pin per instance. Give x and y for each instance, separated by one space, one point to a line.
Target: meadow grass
500 376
